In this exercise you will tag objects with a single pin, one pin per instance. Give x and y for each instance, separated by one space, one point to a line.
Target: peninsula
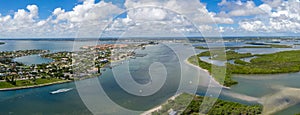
280 62
66 67
188 104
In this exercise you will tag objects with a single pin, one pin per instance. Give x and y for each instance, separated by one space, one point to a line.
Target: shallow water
261 86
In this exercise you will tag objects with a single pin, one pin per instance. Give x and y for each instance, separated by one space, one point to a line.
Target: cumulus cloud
161 23
88 16
273 3
146 17
88 11
247 8
193 9
284 18
168 17
252 25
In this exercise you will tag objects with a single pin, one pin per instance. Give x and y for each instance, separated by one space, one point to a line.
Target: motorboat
61 90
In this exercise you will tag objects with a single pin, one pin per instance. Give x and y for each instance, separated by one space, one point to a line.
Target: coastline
157 108
211 77
36 86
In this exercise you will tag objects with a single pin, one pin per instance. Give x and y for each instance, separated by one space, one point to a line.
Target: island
66 67
183 104
279 62
254 45
2 43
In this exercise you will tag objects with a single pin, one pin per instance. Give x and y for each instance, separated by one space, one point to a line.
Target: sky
97 18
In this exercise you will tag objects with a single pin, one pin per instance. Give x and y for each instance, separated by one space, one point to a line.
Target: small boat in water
61 90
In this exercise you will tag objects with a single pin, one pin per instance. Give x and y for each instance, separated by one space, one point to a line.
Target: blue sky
46 7
8 7
62 18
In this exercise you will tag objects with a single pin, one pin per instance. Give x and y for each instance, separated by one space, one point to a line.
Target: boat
61 90
140 55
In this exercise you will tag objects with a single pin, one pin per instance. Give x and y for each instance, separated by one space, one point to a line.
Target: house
104 60
172 112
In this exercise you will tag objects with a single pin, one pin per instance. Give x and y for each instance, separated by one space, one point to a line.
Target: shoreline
35 86
211 77
157 108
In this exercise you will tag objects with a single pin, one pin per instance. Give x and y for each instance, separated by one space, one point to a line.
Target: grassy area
6 85
258 46
221 107
280 46
218 71
229 55
280 62
22 83
201 47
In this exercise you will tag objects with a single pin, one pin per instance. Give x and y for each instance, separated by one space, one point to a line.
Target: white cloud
223 2
88 11
168 17
143 14
193 9
252 25
246 9
273 3
33 10
88 18
58 11
285 18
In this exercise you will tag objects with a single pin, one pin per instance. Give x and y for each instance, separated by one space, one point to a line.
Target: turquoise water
40 101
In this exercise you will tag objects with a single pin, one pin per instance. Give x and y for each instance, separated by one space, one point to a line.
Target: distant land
159 38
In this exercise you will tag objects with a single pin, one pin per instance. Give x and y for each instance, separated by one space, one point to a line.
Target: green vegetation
201 47
262 45
280 62
240 62
270 45
229 55
6 85
38 81
221 107
218 73
280 46
20 53
86 63
17 75
255 43
232 48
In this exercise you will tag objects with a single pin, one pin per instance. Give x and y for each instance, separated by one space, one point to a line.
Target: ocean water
104 95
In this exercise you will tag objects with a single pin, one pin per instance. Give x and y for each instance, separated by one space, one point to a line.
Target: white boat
61 90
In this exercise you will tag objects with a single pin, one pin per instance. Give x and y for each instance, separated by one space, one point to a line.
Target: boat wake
61 90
